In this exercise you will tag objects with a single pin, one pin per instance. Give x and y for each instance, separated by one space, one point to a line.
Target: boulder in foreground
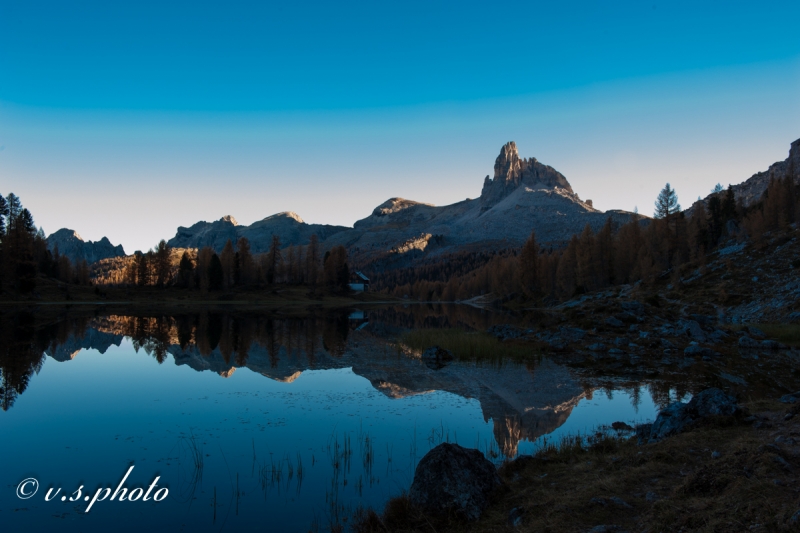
453 479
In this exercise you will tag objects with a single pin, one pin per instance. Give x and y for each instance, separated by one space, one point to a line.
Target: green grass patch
788 334
468 345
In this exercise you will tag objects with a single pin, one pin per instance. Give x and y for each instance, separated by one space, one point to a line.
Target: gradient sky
130 119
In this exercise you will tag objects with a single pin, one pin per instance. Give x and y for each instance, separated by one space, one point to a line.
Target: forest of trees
641 249
237 266
24 257
24 254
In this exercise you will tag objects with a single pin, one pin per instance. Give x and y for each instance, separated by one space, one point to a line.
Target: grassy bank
467 345
725 476
49 292
788 334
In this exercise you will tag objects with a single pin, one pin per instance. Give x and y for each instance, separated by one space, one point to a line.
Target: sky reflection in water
279 455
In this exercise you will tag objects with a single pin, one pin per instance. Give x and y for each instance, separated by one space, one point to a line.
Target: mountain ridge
70 244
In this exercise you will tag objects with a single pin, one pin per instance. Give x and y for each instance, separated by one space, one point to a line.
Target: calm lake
262 422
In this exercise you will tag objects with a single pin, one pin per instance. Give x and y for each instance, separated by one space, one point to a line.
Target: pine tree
247 267
667 203
185 270
203 268
216 277
529 266
162 266
274 260
227 261
312 262
142 269
729 205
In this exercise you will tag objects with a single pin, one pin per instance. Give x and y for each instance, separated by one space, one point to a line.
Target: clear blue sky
128 119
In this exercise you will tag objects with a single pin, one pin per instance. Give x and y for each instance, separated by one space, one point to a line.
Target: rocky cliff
288 226
70 244
523 196
753 188
511 171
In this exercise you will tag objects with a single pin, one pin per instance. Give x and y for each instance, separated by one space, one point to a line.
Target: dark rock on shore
436 357
453 479
678 417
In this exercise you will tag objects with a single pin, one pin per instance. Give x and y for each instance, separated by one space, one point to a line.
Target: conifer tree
529 266
185 270
274 260
216 277
667 203
246 263
312 262
227 261
162 266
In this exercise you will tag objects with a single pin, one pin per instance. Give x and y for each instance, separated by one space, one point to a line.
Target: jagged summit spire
511 171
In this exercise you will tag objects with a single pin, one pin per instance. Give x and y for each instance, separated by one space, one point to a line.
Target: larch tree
529 266
228 262
667 203
163 266
185 270
216 276
312 262
274 260
247 267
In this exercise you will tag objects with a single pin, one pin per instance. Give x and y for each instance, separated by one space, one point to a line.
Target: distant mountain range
72 245
523 195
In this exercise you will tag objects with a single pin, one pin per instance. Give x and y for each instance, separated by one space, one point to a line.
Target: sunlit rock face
72 245
511 171
524 195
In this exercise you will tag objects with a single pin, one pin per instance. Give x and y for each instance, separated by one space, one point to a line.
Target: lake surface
261 422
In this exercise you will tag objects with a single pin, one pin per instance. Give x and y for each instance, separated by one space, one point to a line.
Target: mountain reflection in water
515 403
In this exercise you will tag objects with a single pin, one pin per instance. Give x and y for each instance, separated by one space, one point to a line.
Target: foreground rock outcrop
453 479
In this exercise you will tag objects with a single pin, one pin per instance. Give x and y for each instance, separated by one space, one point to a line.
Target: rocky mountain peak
512 171
229 219
290 214
508 165
72 245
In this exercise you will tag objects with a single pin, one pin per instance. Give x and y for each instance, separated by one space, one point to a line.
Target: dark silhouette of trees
312 263
161 264
216 276
273 260
247 267
336 270
185 271
228 261
529 267
667 203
